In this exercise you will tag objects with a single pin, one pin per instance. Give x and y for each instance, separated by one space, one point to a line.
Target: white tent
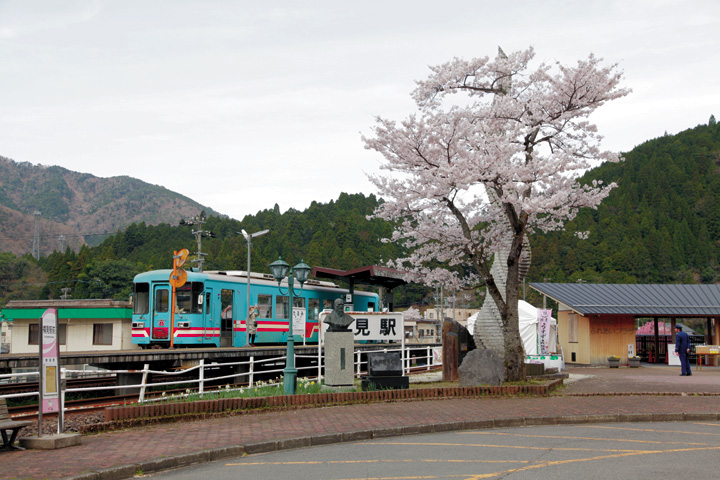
528 316
528 320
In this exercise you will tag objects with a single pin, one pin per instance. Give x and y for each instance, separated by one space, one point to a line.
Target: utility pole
248 238
199 233
61 239
66 293
36 237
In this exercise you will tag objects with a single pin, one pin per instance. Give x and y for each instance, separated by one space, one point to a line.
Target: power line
55 234
45 283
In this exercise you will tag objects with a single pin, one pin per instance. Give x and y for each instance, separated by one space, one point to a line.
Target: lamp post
249 237
299 272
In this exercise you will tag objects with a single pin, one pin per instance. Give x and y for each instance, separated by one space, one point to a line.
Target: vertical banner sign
544 317
298 321
50 390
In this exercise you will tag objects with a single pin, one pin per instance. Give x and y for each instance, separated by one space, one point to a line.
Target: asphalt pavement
591 395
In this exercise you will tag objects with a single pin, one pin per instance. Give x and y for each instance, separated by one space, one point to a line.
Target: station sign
376 326
49 362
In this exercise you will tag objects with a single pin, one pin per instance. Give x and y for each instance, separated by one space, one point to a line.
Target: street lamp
249 237
280 269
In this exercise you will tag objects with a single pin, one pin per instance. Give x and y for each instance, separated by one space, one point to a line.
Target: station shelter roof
371 275
640 300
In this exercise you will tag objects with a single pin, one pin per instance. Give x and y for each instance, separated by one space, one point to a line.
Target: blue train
211 308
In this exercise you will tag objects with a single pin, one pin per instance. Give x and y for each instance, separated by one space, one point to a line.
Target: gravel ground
72 423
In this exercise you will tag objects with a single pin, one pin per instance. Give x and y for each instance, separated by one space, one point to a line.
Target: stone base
339 358
384 383
51 442
481 367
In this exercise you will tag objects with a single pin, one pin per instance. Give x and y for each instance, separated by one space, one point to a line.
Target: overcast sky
243 104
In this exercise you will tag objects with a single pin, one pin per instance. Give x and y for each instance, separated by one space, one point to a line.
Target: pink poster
49 363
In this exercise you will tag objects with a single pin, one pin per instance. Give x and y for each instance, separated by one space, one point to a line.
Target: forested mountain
660 225
77 208
336 235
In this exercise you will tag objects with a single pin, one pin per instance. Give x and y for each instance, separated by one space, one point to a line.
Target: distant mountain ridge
78 208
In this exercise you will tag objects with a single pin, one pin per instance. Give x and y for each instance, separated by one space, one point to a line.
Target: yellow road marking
623 453
662 431
580 438
429 444
603 457
335 462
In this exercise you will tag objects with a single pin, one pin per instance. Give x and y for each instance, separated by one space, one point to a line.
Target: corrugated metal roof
639 300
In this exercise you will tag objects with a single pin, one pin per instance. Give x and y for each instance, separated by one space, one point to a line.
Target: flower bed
142 414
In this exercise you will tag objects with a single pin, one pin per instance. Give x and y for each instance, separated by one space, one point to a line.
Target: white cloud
241 105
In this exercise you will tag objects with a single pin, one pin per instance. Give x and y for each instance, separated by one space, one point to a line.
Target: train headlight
138 325
183 324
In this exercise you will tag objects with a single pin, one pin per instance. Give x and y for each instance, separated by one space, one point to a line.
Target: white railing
253 367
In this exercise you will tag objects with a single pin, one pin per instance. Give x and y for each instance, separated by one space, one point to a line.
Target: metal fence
414 357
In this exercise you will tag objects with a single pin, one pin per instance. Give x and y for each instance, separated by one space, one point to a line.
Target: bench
8 425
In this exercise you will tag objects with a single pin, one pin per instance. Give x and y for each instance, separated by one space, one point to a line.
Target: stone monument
339 347
385 371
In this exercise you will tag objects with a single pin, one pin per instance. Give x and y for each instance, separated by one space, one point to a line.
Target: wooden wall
610 335
598 337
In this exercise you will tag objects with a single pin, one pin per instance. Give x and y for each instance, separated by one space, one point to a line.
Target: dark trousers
684 363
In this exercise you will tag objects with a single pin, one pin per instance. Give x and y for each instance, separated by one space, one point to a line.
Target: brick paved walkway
159 446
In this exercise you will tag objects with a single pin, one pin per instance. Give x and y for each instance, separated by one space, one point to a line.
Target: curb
205 456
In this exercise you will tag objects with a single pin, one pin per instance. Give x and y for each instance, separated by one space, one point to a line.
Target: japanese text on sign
544 317
298 321
375 325
49 396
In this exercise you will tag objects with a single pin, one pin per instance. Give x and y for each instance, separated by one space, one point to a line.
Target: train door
160 325
209 322
226 317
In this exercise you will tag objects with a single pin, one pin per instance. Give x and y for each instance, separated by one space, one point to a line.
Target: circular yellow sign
181 257
178 277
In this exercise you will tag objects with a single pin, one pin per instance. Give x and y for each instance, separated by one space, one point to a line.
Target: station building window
572 328
34 334
102 334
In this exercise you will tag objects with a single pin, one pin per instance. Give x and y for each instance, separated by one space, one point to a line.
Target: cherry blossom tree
471 178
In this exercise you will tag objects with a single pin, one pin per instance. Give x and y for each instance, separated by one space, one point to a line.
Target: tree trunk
514 351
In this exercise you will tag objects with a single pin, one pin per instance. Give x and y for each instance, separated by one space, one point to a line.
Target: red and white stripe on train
211 308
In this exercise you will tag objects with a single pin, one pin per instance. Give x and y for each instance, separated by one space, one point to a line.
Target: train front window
161 300
141 298
188 298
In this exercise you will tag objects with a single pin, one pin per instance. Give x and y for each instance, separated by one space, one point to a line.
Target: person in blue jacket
682 348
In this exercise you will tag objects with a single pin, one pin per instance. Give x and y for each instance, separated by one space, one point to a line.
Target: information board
50 391
298 321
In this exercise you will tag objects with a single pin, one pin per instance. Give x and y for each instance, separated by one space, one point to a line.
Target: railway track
27 387
89 405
